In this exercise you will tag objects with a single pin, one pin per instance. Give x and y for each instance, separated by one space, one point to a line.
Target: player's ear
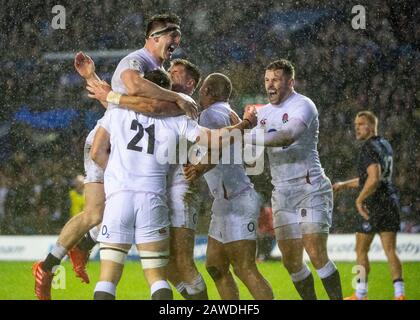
291 82
191 83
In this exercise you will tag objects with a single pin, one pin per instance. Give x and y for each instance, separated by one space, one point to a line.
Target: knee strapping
154 259
214 272
111 253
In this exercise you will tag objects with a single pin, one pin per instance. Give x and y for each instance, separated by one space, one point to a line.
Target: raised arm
284 137
219 138
138 86
153 107
85 66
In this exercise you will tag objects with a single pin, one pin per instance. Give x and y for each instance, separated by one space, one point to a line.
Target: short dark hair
159 77
219 86
191 69
160 20
283 64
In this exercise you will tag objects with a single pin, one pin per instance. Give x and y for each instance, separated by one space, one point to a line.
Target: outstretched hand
234 118
84 65
188 105
98 90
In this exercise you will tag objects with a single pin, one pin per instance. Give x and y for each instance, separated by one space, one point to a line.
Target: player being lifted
162 37
377 203
302 197
135 209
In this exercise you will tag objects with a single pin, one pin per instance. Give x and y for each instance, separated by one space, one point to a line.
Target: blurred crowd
341 69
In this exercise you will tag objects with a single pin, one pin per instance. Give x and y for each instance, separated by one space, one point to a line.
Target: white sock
399 288
327 270
361 290
180 287
59 251
197 285
302 274
94 232
160 284
106 286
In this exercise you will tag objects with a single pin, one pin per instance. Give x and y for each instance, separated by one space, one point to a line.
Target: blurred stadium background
45 114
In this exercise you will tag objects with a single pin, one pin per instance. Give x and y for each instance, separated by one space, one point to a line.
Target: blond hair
370 117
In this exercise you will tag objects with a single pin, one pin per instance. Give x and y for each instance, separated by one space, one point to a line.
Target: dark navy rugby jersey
377 150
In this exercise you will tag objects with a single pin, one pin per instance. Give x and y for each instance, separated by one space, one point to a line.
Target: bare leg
92 215
242 256
217 265
316 246
181 267
156 276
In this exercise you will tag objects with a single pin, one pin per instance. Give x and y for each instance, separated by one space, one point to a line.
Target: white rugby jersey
140 60
300 159
224 180
138 146
91 135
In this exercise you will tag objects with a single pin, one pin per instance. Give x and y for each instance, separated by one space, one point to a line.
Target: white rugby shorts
235 219
134 217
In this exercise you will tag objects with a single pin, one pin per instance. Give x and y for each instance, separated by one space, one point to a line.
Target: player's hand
84 65
98 90
250 114
234 118
361 208
191 172
188 105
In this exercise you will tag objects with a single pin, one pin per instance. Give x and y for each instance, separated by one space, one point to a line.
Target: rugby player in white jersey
135 187
182 271
236 205
162 38
302 197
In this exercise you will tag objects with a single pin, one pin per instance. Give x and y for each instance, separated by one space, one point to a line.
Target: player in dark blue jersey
377 203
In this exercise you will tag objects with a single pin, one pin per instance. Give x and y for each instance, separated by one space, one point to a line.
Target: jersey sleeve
105 121
304 111
133 63
188 128
370 156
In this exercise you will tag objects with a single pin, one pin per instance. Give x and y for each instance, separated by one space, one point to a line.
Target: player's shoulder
134 59
303 100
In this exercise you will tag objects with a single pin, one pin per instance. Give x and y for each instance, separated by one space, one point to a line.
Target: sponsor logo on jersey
285 118
263 122
134 64
251 227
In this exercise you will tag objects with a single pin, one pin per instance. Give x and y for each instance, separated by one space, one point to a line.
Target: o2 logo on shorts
251 227
104 231
366 226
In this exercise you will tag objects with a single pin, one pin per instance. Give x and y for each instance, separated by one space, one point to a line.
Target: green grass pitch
18 283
